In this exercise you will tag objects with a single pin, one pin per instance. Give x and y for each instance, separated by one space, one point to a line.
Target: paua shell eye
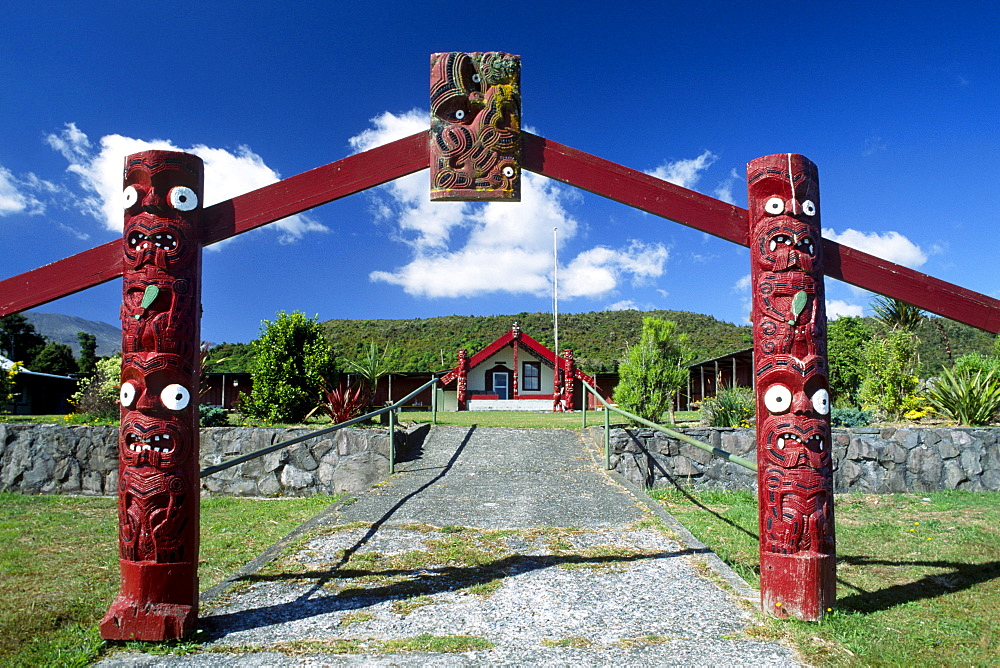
775 206
127 394
130 197
809 208
821 401
175 397
509 172
182 198
460 114
778 399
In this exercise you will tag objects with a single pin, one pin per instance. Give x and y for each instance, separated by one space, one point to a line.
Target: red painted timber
62 277
226 219
562 163
728 222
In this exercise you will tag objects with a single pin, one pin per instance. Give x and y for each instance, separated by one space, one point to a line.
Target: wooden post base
157 602
802 586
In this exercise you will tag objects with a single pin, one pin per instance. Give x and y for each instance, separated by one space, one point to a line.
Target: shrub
968 397
212 416
973 362
730 407
890 365
292 360
98 397
850 417
653 370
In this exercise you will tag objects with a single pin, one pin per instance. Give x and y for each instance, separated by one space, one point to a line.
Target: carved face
784 213
793 411
157 410
162 198
475 126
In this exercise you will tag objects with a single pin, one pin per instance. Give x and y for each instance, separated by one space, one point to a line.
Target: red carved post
463 377
516 330
795 475
568 365
475 140
158 491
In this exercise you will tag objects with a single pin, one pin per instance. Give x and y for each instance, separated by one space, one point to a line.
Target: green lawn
918 575
59 565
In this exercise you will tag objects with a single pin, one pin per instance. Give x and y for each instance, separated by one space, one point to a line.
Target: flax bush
967 396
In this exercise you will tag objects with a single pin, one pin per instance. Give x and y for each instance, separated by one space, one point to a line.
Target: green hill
598 338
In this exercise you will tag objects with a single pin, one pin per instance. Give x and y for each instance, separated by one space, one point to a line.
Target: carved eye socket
127 394
508 171
821 402
460 114
130 197
809 208
775 206
182 198
175 397
778 399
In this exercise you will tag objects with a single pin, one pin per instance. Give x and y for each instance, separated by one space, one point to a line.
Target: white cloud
684 173
227 174
724 191
891 246
504 247
838 308
15 195
624 305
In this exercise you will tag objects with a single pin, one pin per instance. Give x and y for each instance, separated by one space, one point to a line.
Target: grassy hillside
598 338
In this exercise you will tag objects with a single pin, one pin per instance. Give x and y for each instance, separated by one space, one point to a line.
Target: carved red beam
226 219
562 163
728 222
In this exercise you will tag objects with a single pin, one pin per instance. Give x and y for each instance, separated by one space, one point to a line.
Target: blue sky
897 103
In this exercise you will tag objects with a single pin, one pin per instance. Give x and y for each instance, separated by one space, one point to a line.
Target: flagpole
555 287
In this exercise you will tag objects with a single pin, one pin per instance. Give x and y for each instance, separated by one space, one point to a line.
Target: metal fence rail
391 410
728 456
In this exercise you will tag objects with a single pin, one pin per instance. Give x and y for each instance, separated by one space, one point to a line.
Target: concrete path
491 547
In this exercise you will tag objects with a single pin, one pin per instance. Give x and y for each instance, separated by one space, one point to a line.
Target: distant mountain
63 329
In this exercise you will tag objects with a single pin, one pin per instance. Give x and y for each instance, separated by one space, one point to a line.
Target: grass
59 565
918 575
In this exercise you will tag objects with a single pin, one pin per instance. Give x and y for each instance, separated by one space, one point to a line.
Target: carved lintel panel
158 495
795 468
475 140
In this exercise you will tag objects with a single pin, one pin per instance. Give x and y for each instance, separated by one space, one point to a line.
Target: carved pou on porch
158 491
795 472
475 140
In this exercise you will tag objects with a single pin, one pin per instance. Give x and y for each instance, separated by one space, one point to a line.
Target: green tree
7 380
890 373
846 338
292 362
653 370
99 394
19 341
87 361
55 358
372 365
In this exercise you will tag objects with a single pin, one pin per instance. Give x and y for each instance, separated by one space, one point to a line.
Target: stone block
268 484
302 458
953 475
893 452
359 472
321 447
295 478
971 461
946 448
92 482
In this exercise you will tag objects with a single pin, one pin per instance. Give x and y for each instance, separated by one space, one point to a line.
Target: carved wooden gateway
475 150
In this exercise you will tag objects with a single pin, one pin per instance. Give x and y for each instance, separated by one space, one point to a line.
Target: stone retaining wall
53 459
865 460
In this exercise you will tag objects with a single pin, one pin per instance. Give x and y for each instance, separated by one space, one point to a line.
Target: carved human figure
158 491
795 480
475 126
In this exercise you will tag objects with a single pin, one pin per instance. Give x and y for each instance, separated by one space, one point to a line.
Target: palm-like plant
896 314
374 363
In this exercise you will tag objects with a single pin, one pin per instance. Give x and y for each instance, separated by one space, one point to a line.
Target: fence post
158 488
795 470
392 441
434 403
607 439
